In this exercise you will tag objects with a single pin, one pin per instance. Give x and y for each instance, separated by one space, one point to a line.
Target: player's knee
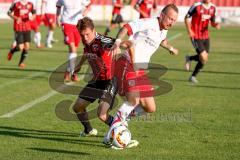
102 116
204 57
151 109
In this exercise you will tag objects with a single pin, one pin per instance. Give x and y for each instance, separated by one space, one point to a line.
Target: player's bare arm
87 9
120 36
58 16
168 47
188 26
128 45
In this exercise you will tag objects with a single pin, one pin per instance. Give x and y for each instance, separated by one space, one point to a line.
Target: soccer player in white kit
147 34
49 19
36 22
73 11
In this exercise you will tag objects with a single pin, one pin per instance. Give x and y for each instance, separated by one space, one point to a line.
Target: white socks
37 39
49 37
71 62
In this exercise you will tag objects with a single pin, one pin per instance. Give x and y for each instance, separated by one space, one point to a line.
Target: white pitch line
174 37
28 105
33 103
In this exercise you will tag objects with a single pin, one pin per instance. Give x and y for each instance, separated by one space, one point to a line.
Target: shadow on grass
217 87
58 151
62 137
205 71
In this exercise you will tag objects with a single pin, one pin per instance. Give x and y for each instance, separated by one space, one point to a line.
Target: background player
144 7
73 10
117 19
36 22
20 13
49 19
197 21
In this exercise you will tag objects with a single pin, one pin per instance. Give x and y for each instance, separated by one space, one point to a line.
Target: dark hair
84 23
167 7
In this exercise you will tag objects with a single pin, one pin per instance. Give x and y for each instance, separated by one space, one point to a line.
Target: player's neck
207 4
23 1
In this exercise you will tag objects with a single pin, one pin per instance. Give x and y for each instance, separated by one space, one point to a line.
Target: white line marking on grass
28 105
33 103
174 37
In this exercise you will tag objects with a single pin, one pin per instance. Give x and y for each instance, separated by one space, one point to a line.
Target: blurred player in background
197 21
20 12
117 19
73 11
144 7
36 22
49 19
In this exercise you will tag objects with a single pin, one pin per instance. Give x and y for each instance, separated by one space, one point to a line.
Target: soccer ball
121 136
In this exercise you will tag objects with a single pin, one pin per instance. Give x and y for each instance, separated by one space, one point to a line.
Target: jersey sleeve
11 7
213 18
138 3
139 25
191 11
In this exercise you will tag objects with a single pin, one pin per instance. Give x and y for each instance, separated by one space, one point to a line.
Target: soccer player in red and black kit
102 86
144 7
197 21
20 13
117 19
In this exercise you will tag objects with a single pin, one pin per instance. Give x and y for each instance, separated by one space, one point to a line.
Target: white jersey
37 6
146 38
72 10
50 6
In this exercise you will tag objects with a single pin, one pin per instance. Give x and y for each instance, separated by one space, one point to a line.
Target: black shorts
23 37
117 19
104 90
201 45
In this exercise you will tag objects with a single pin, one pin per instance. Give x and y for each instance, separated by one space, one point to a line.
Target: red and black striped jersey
97 54
116 8
22 10
201 16
146 6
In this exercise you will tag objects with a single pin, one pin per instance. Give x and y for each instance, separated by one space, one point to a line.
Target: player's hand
218 26
58 22
19 20
115 49
191 33
173 51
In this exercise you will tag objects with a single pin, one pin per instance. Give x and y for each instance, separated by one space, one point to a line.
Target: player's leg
72 39
27 40
19 37
112 25
51 23
203 56
188 58
80 109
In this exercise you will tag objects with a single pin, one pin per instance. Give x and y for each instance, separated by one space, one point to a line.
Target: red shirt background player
144 7
201 16
21 13
197 20
117 19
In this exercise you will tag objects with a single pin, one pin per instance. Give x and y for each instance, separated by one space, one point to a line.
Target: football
121 136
